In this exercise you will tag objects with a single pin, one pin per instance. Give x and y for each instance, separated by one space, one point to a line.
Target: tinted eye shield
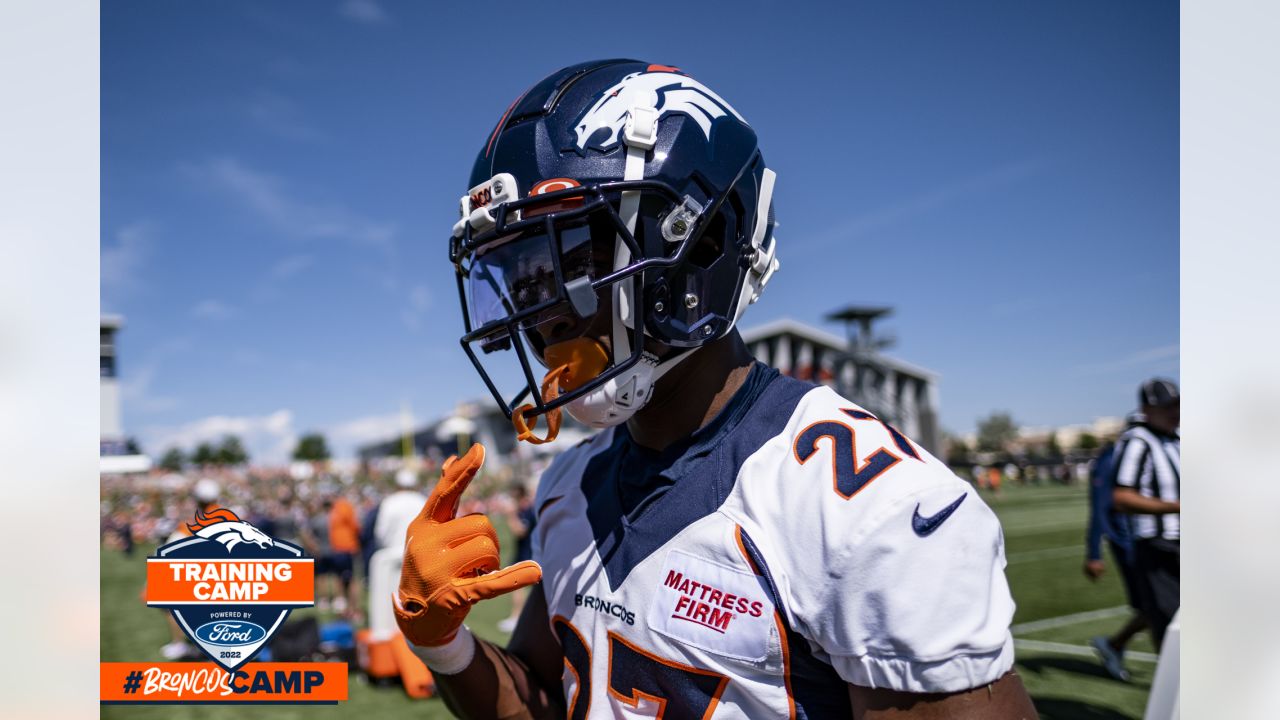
515 221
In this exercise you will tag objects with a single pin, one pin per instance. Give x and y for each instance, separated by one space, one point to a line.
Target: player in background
1104 521
344 544
733 543
386 546
1148 481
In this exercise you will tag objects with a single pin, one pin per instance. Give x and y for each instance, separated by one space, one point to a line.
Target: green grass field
1044 530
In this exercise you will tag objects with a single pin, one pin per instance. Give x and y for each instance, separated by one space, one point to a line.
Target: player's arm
521 681
1097 511
450 564
1099 507
1004 699
913 611
1128 500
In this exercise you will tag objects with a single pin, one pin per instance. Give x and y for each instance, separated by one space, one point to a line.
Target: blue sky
279 179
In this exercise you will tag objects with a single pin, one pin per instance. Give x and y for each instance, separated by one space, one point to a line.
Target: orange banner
230 582
207 683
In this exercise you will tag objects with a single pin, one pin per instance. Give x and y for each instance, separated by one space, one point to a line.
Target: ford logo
229 632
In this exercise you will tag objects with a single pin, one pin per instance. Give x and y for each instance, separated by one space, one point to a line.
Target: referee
1147 483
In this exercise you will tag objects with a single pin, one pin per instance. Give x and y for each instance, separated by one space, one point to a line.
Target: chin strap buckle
641 130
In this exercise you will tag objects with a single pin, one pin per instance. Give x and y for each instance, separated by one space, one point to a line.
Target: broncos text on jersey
793 545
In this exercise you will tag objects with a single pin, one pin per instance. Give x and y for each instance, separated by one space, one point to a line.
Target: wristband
452 657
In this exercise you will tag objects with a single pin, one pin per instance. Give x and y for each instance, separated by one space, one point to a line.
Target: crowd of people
993 477
1134 505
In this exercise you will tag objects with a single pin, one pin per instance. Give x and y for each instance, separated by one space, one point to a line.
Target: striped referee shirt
1150 463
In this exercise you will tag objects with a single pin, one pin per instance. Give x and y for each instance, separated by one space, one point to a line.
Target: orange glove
451 563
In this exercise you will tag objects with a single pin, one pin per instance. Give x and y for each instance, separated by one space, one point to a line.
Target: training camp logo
230 586
665 91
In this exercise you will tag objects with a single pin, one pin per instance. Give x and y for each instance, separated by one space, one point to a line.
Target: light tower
857 321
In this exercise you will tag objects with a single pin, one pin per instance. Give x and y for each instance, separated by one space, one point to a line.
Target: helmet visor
513 276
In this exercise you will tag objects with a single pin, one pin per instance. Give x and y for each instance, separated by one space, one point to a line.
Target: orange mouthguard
575 362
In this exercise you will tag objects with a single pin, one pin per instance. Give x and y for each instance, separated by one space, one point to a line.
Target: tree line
998 433
230 452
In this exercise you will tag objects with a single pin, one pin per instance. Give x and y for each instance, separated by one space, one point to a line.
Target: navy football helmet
619 216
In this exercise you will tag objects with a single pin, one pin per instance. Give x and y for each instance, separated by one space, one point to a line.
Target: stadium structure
113 445
856 367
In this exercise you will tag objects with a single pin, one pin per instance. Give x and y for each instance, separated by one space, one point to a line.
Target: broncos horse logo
666 92
222 525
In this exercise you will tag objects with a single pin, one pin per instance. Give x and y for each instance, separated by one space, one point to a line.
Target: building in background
111 427
114 453
856 367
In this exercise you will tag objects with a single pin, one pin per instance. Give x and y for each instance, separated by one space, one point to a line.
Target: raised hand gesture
451 563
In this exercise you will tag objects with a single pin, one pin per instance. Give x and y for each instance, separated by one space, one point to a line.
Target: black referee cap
1158 392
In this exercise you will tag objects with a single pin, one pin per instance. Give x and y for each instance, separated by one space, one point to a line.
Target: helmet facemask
654 248
538 278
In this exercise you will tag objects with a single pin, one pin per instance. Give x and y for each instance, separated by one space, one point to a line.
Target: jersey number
678 690
847 475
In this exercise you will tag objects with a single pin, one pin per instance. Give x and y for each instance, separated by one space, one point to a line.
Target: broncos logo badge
223 526
666 92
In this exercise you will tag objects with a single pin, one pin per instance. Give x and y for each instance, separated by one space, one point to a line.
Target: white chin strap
621 397
614 402
618 399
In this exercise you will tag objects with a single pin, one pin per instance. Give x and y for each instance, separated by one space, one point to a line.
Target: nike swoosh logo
925 526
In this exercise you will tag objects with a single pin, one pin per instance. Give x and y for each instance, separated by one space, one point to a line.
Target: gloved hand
451 563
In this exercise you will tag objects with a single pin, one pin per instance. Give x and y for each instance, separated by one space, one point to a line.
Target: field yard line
1032 555
1079 650
1072 619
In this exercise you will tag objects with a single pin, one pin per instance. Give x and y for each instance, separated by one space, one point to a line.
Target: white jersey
395 512
794 545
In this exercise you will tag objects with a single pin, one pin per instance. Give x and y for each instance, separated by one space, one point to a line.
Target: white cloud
267 197
269 287
1161 358
268 438
212 310
122 260
346 437
364 11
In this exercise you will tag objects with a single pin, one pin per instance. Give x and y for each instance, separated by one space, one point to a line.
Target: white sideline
1074 618
1079 650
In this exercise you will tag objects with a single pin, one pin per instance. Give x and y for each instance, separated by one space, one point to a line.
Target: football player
732 543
